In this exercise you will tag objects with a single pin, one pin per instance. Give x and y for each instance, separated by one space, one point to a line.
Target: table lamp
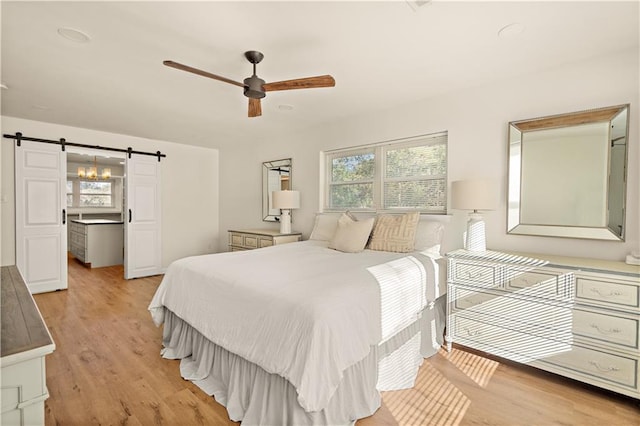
474 195
285 201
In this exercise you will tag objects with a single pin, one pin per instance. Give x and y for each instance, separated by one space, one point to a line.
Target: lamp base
285 221
475 236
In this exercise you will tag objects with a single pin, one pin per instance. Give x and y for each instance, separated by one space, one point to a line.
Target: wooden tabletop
22 326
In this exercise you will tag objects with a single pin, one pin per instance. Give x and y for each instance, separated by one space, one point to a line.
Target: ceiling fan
254 87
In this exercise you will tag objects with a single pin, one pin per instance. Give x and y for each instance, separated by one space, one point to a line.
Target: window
96 194
403 175
69 193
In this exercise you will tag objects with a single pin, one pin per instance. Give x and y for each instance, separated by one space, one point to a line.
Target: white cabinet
249 239
579 318
99 242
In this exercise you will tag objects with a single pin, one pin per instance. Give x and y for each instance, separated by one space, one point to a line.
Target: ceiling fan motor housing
253 87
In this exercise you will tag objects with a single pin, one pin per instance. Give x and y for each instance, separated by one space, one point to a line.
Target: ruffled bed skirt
255 397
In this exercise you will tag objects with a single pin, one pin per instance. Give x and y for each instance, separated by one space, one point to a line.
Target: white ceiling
381 54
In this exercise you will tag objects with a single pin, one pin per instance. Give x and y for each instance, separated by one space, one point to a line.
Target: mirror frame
268 166
518 129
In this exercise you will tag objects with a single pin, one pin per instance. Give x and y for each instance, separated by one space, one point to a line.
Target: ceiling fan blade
255 107
187 68
301 83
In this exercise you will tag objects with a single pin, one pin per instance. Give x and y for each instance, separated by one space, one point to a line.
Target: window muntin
403 175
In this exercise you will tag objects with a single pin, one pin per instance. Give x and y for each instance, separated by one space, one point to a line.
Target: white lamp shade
285 199
473 195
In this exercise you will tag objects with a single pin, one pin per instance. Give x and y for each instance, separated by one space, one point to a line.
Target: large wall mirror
567 175
276 176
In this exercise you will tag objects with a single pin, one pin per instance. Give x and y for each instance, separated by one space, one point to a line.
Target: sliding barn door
41 203
143 250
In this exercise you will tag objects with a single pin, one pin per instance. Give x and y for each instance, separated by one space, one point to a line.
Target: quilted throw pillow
395 233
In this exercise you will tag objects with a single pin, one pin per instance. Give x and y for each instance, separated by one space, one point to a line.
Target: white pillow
324 227
351 235
429 236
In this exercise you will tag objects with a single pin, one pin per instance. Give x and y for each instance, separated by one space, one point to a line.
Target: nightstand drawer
250 241
607 292
254 239
236 239
606 328
474 274
266 242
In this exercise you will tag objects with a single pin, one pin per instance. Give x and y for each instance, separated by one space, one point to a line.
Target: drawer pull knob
603 369
604 330
471 333
610 294
473 276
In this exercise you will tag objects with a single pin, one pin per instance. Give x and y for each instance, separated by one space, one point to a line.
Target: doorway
95 207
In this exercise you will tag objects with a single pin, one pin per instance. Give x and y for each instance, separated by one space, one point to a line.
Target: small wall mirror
567 175
276 176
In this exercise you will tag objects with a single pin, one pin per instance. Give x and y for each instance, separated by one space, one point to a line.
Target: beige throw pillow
324 227
351 235
395 233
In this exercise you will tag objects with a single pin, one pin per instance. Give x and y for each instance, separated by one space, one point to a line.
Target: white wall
477 121
189 186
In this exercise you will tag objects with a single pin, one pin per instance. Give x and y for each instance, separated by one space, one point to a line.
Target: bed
302 333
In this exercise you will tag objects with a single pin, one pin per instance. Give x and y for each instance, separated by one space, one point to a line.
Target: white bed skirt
255 397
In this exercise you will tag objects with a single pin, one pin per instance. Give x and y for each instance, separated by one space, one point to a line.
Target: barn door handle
129 215
64 216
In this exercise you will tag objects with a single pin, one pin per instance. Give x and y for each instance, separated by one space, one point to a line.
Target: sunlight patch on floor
432 401
477 368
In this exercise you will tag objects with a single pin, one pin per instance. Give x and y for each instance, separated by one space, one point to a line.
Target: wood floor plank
107 369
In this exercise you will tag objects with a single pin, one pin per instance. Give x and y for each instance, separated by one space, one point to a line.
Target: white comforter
299 310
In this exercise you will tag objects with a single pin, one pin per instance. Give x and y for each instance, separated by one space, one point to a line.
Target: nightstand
249 239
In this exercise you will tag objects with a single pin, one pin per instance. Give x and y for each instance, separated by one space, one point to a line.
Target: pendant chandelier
91 173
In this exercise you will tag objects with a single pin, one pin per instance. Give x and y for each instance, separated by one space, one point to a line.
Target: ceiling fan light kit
254 87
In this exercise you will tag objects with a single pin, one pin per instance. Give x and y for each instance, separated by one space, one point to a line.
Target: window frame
379 150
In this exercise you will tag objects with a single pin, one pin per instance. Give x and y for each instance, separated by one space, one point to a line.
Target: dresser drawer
607 328
504 342
519 314
604 292
621 370
549 285
474 274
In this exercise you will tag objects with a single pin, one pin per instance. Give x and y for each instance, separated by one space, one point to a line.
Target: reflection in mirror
276 176
567 175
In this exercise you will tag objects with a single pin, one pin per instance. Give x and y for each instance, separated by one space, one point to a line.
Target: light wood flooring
107 370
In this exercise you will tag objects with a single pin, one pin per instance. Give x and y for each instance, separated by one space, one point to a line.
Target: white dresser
576 317
25 343
249 239
99 242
